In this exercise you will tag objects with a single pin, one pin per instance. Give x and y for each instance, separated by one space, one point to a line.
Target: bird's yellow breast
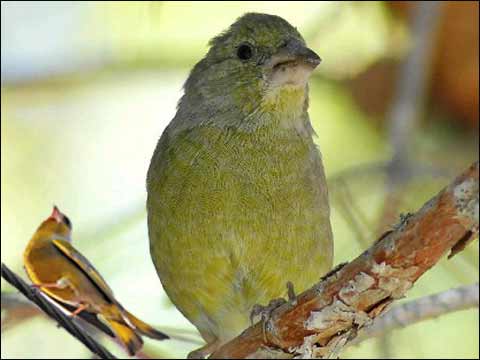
232 217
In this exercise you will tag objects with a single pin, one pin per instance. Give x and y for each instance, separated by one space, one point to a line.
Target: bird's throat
287 106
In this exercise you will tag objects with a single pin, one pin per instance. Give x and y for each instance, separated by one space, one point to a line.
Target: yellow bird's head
57 224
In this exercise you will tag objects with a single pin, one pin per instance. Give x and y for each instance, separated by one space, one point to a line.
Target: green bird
237 199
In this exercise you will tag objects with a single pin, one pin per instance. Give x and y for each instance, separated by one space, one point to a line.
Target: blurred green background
87 89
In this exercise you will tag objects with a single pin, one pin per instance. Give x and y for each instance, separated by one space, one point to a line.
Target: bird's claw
265 312
292 297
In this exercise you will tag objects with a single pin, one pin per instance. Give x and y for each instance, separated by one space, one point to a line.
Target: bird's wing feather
85 266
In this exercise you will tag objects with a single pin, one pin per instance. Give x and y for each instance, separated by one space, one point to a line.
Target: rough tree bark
423 308
326 317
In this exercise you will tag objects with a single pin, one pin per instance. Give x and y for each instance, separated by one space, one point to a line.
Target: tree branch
327 316
411 85
424 308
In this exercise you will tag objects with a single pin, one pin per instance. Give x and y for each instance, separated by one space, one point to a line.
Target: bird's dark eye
245 51
67 222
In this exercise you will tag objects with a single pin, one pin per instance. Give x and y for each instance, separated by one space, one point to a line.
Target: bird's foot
292 297
47 286
60 284
77 311
265 312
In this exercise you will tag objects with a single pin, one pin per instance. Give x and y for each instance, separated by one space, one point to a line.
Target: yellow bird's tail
143 328
127 336
128 327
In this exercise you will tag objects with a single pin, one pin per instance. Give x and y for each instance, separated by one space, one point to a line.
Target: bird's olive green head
260 62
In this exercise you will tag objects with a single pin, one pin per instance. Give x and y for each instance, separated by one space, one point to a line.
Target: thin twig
408 99
54 312
411 86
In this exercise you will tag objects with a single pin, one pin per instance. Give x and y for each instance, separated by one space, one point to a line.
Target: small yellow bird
66 276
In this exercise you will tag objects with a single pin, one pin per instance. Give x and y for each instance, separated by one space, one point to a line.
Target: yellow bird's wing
82 263
85 266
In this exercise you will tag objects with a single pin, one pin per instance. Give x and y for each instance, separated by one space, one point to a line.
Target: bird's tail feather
127 336
143 328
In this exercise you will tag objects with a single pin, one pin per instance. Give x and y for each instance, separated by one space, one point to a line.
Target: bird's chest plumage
234 216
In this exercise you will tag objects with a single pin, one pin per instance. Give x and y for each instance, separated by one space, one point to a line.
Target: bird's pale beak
291 65
294 52
56 214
